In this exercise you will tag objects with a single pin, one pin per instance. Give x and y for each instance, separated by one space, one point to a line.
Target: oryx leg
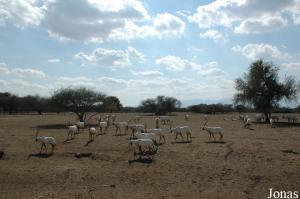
213 136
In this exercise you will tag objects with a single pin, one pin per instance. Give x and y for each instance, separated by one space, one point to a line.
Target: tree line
258 91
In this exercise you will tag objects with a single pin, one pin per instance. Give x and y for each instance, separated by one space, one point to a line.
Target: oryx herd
146 140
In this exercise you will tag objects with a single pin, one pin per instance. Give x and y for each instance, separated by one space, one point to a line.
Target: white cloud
75 79
259 25
213 14
198 50
110 58
21 13
21 72
55 60
135 54
167 24
249 16
172 63
3 69
214 35
260 51
212 72
27 73
292 65
90 20
184 13
163 25
23 87
147 73
111 80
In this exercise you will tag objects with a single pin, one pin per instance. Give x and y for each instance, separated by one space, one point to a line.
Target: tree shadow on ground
215 142
285 124
182 142
142 160
40 155
52 126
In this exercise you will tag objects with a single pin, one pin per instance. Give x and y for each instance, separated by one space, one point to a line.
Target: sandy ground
245 165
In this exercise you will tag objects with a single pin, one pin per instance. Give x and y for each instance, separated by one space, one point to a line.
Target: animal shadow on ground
67 141
52 126
88 142
181 142
215 142
100 134
286 124
40 155
142 160
123 134
297 152
85 155
159 143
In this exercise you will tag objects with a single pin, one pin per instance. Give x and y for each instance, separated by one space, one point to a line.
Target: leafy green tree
161 105
80 101
111 104
261 88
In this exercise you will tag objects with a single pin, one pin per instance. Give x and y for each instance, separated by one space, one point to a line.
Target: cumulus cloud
163 25
28 73
21 72
184 13
292 65
20 13
211 70
174 63
167 24
110 58
147 73
135 54
249 16
260 51
214 35
111 80
3 69
90 20
259 25
23 87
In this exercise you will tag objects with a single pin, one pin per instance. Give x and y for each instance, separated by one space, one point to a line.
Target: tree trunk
81 118
267 117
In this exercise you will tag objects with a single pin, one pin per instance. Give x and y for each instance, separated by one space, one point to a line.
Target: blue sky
140 49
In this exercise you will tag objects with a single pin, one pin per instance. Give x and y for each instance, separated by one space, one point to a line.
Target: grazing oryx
121 125
92 133
213 130
260 117
45 140
290 117
179 130
72 131
164 119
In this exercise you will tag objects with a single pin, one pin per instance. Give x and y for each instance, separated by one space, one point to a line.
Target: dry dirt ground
245 165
